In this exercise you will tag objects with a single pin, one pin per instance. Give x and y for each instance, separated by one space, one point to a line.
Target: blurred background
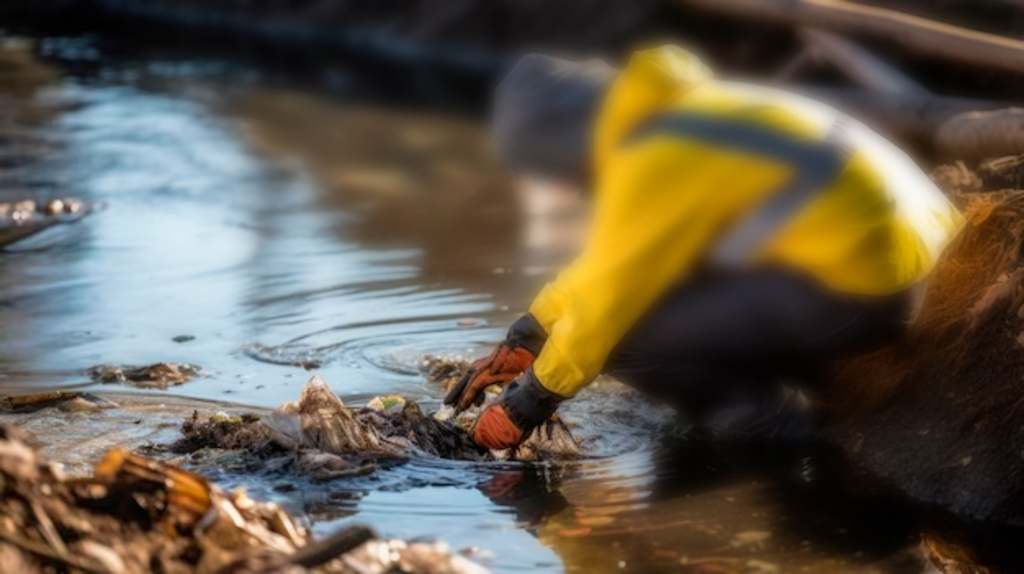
284 186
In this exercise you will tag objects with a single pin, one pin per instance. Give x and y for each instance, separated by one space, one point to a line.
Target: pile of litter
136 515
321 438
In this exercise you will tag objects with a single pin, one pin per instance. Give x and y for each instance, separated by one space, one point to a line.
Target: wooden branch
921 35
861 66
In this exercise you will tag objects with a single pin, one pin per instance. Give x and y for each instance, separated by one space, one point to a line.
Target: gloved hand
507 361
523 406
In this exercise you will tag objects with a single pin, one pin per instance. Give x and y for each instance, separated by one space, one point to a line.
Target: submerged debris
136 515
63 400
156 376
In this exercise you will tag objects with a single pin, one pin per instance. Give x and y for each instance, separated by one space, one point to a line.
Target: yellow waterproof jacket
682 159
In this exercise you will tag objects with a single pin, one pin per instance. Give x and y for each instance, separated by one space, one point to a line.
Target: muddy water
288 231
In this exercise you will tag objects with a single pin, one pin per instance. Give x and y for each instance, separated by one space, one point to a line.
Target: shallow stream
286 231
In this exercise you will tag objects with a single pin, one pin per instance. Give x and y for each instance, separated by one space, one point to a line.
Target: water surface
290 231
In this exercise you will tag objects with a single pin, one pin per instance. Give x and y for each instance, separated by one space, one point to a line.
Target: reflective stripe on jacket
689 169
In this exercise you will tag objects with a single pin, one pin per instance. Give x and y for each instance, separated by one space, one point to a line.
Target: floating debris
184 338
63 400
156 376
136 515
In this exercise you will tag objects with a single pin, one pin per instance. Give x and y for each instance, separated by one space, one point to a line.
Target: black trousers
720 347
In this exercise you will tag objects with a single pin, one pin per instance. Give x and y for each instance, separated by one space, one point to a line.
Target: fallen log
921 35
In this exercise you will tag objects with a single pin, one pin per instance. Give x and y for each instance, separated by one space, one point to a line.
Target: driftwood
921 35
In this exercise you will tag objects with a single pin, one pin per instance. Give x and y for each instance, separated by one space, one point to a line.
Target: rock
155 376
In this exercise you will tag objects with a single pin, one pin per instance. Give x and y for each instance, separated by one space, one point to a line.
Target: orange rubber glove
523 406
507 361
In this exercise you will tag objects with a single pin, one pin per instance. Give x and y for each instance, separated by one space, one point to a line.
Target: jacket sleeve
659 206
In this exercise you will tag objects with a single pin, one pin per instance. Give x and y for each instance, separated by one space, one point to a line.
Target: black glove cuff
528 403
527 333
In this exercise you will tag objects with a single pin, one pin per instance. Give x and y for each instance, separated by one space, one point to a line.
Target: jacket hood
652 80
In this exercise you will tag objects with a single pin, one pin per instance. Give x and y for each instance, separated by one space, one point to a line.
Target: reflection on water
285 230
205 237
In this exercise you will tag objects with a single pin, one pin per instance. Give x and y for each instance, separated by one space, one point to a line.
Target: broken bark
921 35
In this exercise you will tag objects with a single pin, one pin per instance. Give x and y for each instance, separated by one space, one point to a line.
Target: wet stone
155 376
